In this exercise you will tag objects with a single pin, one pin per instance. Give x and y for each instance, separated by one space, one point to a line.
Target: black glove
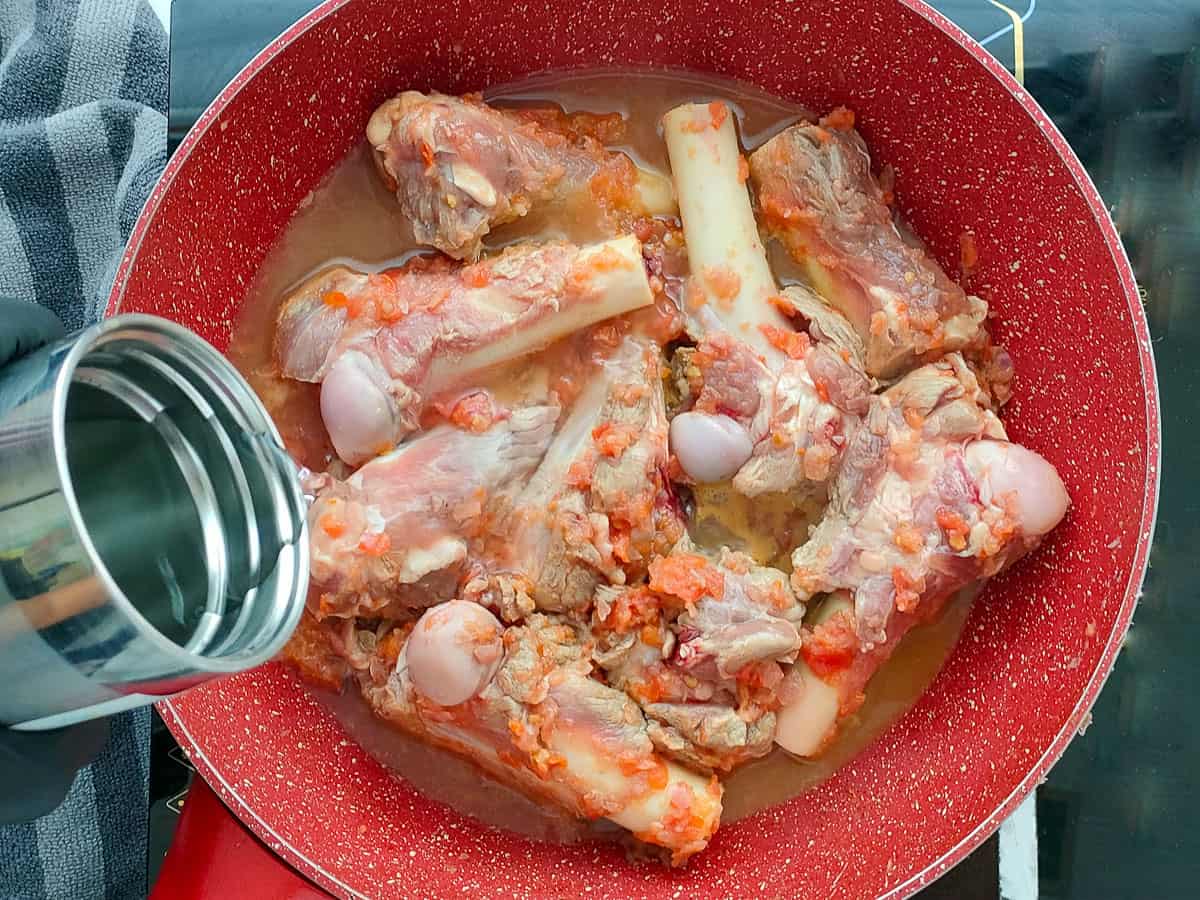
37 767
25 327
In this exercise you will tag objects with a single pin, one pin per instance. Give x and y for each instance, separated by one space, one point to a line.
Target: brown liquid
353 220
456 782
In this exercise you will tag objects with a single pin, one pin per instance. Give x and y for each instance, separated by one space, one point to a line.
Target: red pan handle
213 855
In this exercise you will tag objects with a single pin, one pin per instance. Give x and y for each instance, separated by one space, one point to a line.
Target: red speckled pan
971 151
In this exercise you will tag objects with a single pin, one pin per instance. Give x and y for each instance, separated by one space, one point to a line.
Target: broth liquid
352 219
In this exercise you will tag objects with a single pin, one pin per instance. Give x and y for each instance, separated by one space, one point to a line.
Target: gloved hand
37 768
24 327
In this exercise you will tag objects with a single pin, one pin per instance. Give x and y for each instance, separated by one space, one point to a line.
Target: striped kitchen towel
83 99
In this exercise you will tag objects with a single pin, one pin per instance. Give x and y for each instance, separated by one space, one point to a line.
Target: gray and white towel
83 99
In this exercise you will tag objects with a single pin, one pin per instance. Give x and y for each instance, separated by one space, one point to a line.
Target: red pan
972 152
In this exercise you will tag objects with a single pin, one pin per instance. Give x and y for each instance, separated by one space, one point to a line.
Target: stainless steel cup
152 528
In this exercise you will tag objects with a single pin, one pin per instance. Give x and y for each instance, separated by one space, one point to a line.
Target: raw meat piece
700 649
708 736
384 345
599 505
628 482
407 517
818 197
459 168
314 657
809 312
544 725
797 416
775 401
930 498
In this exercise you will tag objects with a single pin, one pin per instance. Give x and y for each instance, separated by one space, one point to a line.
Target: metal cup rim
248 403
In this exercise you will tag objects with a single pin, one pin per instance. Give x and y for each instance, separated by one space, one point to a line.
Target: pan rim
1129 596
